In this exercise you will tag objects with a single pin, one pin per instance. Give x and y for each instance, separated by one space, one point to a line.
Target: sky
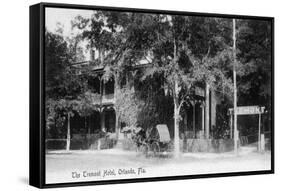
64 17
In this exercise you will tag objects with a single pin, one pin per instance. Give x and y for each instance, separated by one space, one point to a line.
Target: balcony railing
108 99
104 99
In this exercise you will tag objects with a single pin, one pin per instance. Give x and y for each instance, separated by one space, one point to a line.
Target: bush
78 144
56 144
129 144
208 145
267 144
105 143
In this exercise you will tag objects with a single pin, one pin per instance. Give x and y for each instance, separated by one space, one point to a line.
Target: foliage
255 60
65 90
57 110
61 79
128 106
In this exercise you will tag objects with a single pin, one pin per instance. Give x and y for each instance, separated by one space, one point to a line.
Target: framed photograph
121 95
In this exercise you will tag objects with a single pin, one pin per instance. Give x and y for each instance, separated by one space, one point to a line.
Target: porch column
207 111
203 119
185 121
231 126
89 126
68 136
102 122
193 121
103 87
116 125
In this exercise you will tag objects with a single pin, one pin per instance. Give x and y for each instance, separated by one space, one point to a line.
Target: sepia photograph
148 94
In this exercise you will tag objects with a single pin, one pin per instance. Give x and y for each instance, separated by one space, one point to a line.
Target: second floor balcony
100 99
108 99
104 91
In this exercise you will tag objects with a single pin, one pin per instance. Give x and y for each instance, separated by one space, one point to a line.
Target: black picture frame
37 164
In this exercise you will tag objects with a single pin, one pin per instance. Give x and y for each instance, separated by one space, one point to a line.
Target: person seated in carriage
139 136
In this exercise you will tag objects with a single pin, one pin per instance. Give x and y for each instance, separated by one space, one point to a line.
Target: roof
95 65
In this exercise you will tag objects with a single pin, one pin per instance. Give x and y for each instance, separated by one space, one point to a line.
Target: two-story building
198 118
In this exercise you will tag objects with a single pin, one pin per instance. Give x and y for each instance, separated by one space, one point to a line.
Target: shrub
129 144
208 145
107 143
55 144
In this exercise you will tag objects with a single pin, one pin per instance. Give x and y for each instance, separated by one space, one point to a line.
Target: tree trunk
176 123
193 120
89 125
89 132
68 133
116 90
236 137
117 125
207 112
176 109
177 138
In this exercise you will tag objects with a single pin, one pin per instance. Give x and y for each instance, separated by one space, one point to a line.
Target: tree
183 63
66 92
62 109
254 43
57 86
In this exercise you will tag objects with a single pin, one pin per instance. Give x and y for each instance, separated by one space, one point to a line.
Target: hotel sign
248 110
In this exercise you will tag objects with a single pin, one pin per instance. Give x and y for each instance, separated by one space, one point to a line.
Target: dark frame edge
35 62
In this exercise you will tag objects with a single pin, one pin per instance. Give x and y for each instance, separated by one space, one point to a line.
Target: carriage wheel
170 147
144 150
155 148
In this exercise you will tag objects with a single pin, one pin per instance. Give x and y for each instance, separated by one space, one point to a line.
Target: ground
117 164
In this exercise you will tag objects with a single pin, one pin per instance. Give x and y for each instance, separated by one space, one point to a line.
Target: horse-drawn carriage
154 142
